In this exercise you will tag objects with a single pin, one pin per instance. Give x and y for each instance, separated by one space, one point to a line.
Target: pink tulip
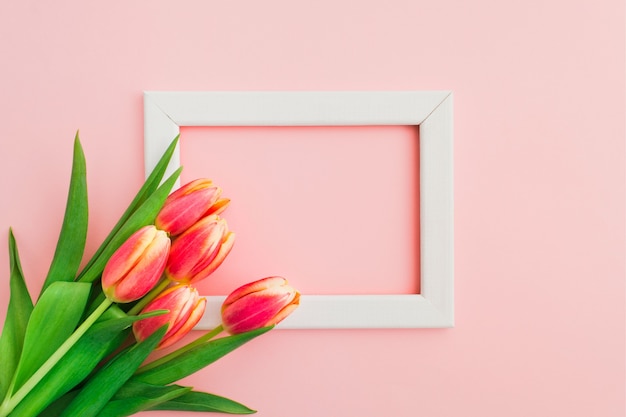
136 267
199 250
188 204
185 310
258 304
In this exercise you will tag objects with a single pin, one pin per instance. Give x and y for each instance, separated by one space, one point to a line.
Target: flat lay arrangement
84 346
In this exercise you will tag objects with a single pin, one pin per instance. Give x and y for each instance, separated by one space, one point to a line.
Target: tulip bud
199 250
185 310
136 267
188 204
258 304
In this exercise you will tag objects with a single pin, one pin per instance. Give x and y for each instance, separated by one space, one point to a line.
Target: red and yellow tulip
185 310
258 304
137 266
199 250
188 204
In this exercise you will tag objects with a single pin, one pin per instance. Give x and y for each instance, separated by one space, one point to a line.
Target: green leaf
148 188
56 408
18 313
133 389
204 402
104 384
71 243
78 363
143 396
52 321
134 397
143 216
197 358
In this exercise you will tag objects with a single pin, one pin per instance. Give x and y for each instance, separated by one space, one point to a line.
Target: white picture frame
165 112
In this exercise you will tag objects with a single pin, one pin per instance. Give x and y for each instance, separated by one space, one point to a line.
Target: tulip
136 266
258 304
199 250
188 204
185 309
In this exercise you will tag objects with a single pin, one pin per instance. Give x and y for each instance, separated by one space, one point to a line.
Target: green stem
10 403
158 289
199 341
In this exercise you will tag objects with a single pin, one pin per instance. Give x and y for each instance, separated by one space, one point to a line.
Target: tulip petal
252 312
197 252
187 205
255 286
218 207
261 303
216 261
286 311
184 307
136 267
186 326
125 258
188 248
146 273
167 300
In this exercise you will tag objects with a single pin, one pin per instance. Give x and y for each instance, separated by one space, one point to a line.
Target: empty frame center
335 209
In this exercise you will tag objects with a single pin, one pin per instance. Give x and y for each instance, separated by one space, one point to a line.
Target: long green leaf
79 362
204 402
153 398
71 243
196 358
18 313
104 384
139 398
143 216
149 186
134 389
52 321
56 408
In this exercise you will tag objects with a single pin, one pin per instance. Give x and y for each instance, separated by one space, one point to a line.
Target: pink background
539 182
335 209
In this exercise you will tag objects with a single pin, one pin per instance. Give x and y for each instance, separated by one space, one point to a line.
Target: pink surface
335 209
539 181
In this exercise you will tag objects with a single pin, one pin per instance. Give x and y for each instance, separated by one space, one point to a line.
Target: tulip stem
148 297
11 402
199 341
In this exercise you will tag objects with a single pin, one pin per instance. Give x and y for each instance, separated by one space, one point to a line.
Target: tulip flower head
137 266
258 304
200 250
185 310
188 204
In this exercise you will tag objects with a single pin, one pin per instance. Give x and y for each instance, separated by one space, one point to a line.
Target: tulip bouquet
83 347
